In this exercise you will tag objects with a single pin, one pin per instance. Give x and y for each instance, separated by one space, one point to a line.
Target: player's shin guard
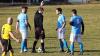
81 46
72 47
3 54
11 53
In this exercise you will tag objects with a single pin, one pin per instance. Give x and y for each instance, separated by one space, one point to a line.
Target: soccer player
61 23
22 25
39 30
6 33
77 31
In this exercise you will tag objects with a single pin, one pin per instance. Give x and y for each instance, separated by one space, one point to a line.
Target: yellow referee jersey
5 31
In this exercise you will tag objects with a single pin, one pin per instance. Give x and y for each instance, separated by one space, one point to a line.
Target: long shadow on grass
51 38
46 38
90 51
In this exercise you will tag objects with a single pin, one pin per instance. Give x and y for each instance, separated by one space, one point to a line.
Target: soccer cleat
71 53
25 50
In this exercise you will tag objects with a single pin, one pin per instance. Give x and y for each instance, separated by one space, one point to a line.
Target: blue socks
72 47
24 45
61 45
65 44
81 47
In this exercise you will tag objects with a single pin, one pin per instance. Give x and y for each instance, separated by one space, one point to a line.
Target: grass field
91 38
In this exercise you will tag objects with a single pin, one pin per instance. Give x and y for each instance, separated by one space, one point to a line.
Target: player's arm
42 4
82 27
17 24
12 36
71 23
28 25
64 22
63 25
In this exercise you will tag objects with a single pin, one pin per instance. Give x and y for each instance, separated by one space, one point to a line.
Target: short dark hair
59 9
25 7
74 11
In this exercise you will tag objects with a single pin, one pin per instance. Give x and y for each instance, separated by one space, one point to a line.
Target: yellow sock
11 53
3 54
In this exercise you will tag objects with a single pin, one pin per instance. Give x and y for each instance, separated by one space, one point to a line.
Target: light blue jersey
22 17
60 21
76 28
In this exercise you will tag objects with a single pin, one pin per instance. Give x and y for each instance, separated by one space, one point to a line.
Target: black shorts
6 44
39 34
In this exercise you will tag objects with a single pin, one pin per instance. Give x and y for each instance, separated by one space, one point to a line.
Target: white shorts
24 34
75 37
61 35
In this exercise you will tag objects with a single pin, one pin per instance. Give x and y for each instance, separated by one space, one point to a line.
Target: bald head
10 20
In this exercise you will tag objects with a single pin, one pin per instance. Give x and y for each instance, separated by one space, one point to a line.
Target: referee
39 30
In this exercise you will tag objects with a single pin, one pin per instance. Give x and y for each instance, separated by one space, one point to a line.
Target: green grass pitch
91 37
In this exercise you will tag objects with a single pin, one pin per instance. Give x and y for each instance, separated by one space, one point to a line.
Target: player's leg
1 44
72 39
42 41
61 45
11 53
37 35
34 45
80 44
25 45
25 40
60 41
3 54
72 48
5 45
64 40
10 49
66 45
42 45
22 46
